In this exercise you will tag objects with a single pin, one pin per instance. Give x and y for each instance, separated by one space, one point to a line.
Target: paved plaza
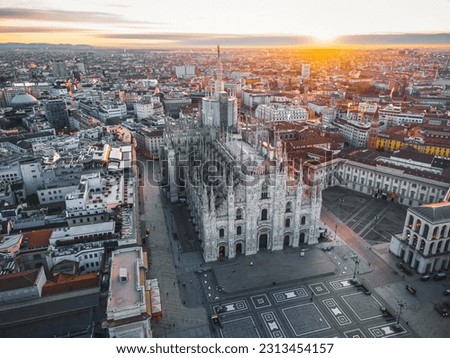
317 308
295 292
375 220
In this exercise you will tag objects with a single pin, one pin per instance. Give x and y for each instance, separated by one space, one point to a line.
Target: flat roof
125 293
90 229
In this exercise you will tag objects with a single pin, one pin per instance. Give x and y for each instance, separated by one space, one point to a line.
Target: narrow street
177 317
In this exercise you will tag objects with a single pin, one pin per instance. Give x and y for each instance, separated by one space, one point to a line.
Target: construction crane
70 86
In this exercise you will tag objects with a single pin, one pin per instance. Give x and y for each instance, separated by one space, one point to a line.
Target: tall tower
219 109
306 70
373 132
56 113
218 86
59 69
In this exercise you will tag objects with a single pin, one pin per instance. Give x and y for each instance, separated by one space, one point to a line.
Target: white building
88 231
53 194
355 133
279 112
219 111
128 310
185 70
424 243
329 115
145 107
108 109
89 256
367 107
306 70
32 176
253 98
394 116
219 108
365 172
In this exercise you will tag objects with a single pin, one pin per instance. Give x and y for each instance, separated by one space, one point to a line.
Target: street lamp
376 221
356 268
401 305
335 235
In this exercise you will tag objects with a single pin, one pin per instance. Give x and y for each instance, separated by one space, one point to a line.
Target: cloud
202 39
36 30
62 16
394 39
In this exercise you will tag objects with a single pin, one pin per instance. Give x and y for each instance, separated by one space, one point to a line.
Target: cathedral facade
240 201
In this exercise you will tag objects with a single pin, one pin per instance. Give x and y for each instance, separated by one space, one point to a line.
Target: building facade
242 203
278 112
424 243
56 113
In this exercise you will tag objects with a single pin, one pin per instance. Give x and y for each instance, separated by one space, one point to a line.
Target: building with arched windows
240 201
424 243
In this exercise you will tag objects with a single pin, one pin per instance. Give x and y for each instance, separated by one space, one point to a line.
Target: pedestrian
167 293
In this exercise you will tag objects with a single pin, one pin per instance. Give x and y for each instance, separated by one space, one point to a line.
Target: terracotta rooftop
18 280
37 238
64 283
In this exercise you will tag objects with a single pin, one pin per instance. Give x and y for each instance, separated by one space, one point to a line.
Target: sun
322 35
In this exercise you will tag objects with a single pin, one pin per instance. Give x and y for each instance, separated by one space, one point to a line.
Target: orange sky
177 22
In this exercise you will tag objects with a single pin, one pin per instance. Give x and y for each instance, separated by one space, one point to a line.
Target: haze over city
144 24
225 169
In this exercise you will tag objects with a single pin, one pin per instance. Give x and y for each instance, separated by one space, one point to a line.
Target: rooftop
126 291
18 280
434 213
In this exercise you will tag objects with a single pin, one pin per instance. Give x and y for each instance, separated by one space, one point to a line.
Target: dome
23 100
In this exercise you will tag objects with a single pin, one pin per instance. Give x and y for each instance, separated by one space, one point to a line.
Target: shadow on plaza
272 268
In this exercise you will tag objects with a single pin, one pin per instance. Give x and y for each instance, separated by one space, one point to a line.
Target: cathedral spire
212 204
219 87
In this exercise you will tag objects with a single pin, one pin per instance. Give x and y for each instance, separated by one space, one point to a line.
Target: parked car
439 276
386 313
425 278
442 310
447 292
411 289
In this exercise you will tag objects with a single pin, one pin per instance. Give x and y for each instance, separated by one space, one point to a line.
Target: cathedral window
239 214
264 191
239 230
289 207
264 214
303 220
287 223
221 233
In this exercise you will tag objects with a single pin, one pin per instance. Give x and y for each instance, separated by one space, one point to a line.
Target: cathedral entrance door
238 249
286 240
302 238
221 251
263 241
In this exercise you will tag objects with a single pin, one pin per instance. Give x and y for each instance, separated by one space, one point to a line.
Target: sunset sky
148 23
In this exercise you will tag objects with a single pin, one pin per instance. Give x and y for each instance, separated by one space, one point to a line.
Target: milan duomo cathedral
241 199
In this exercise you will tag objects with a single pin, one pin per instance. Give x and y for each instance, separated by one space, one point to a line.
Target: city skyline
203 23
